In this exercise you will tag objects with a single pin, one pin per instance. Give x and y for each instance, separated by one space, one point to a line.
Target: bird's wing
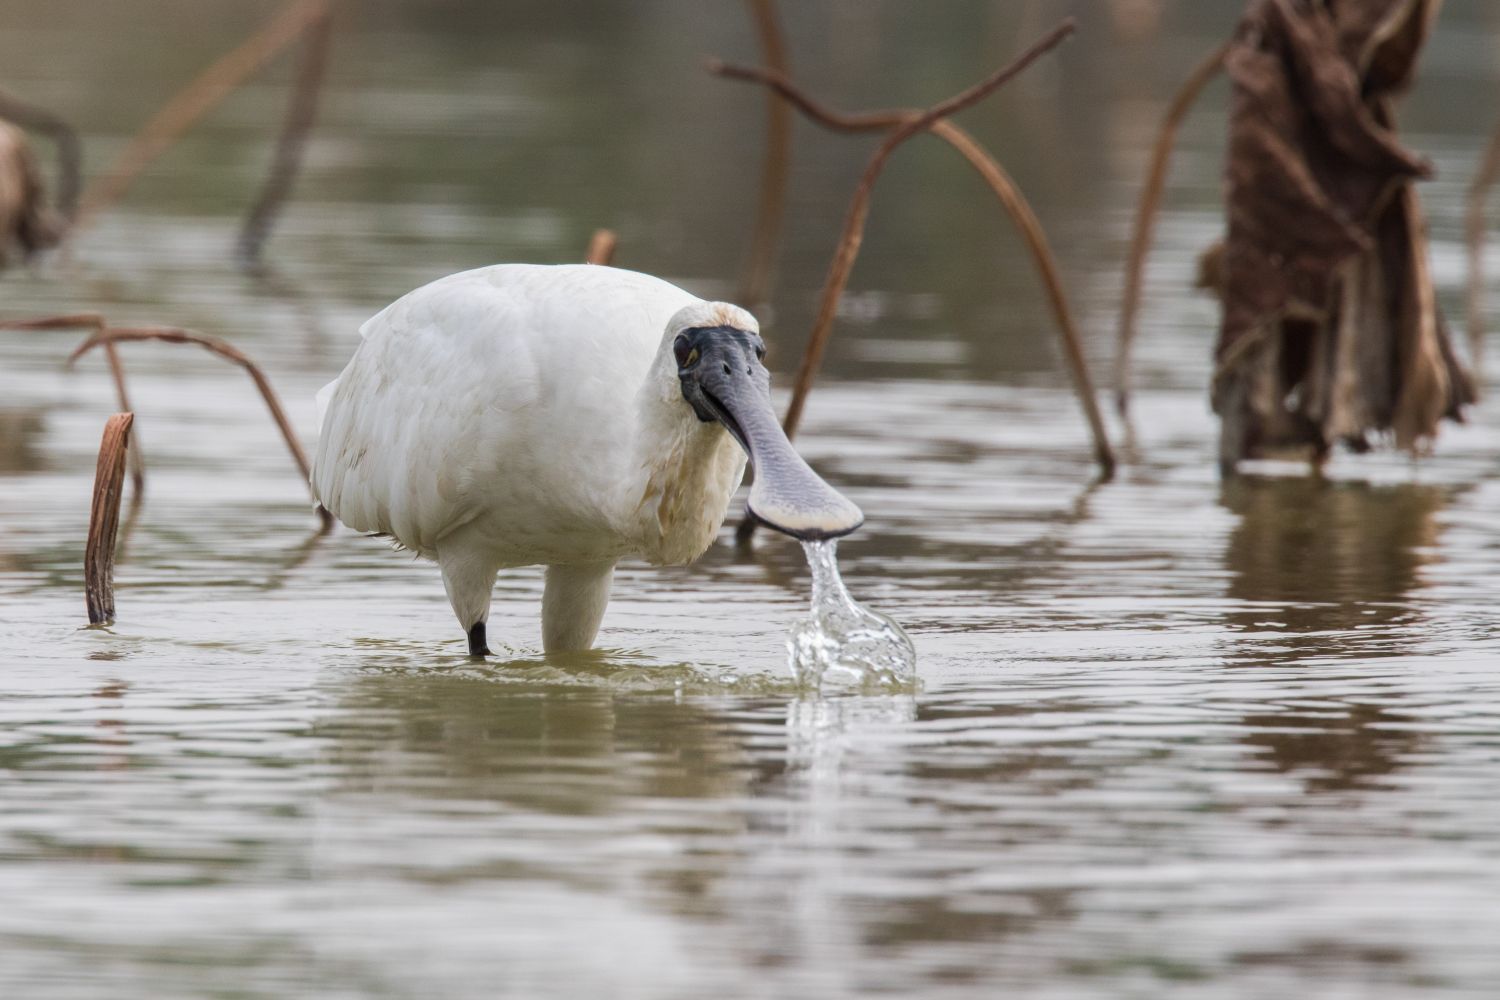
401 423
451 380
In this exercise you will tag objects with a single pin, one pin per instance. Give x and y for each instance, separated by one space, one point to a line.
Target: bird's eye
686 354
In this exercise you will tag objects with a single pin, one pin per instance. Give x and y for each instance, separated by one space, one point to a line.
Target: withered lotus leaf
1330 330
27 224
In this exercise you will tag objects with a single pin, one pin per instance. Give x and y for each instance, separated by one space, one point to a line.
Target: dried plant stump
104 520
1329 332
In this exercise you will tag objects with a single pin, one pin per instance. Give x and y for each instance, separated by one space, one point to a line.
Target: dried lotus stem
104 520
601 247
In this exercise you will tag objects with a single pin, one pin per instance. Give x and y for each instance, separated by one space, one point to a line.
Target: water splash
842 641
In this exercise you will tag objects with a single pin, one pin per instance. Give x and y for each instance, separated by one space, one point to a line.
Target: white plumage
518 415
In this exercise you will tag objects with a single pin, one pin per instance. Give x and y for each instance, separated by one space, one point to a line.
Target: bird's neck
683 474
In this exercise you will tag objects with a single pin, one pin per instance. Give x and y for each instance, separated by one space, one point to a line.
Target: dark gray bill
725 381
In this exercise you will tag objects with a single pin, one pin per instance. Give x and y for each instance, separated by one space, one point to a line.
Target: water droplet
841 640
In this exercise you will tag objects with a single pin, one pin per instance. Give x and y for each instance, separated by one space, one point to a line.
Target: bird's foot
477 645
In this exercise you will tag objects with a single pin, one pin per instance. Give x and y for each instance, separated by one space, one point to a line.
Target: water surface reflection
1175 737
1339 562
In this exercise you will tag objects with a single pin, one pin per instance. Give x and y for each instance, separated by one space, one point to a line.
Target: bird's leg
477 646
573 605
469 578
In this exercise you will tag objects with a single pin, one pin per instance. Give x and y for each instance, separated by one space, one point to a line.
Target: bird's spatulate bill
787 494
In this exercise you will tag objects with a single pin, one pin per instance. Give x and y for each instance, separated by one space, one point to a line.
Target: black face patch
692 343
716 365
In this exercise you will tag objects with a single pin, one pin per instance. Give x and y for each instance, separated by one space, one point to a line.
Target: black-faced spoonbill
565 416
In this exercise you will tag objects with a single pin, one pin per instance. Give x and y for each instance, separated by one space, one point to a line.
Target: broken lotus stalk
601 247
104 520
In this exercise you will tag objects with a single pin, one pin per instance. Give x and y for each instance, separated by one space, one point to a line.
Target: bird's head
719 357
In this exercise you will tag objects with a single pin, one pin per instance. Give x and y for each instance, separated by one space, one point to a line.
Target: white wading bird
565 416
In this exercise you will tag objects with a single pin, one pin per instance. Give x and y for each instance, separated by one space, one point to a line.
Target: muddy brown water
1176 737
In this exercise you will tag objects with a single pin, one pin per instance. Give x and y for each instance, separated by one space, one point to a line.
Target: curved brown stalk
94 321
775 167
177 335
104 520
301 112
601 247
902 125
835 121
1011 200
1041 253
1145 216
1484 179
194 101
859 210
64 137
